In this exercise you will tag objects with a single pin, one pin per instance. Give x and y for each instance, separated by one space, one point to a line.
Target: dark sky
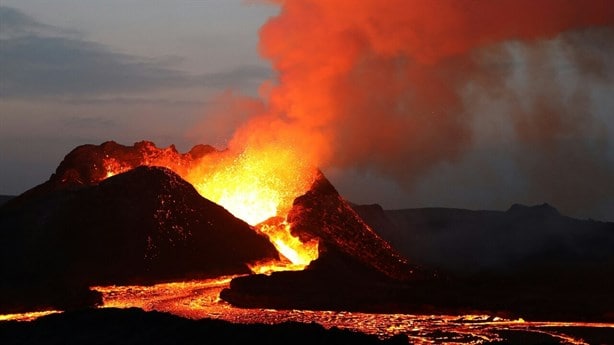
538 115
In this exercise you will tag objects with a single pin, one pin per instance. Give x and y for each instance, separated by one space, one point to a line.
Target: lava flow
255 185
200 298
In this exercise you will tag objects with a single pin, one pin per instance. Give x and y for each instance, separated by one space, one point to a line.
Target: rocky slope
144 225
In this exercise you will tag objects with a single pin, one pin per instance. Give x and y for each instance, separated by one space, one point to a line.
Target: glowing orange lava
254 185
113 167
27 316
200 298
297 253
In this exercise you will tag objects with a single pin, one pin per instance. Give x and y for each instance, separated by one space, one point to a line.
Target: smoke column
378 85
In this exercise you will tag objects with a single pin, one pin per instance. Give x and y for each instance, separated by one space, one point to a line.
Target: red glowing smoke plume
378 84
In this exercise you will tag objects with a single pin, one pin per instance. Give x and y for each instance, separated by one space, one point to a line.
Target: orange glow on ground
28 316
200 299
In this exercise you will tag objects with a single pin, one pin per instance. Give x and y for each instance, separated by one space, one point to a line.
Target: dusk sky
521 117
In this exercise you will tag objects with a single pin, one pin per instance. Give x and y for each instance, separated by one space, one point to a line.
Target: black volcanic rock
322 213
144 225
356 269
134 326
334 281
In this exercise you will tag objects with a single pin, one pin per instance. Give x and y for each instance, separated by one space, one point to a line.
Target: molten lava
113 167
255 185
298 253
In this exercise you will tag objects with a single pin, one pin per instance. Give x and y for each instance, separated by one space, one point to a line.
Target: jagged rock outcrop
322 213
89 164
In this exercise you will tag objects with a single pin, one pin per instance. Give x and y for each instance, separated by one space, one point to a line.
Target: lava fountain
257 185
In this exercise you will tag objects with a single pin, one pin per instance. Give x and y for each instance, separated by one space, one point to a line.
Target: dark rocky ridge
529 259
141 226
464 243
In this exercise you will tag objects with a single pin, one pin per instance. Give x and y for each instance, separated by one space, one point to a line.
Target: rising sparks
254 185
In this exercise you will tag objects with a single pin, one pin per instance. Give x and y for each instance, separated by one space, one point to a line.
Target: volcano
115 214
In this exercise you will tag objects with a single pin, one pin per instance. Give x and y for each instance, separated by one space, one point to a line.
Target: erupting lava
372 84
255 185
300 254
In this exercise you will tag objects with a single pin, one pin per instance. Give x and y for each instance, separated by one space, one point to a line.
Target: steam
383 86
563 141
